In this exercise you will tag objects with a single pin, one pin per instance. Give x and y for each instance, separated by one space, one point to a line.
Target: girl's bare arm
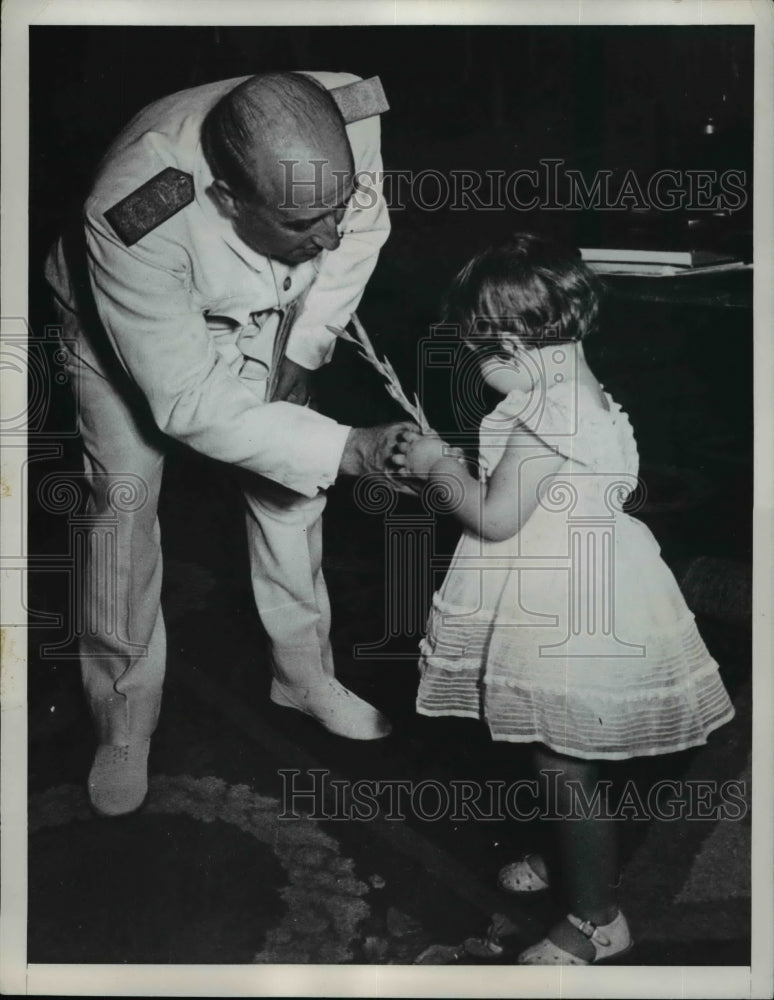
498 509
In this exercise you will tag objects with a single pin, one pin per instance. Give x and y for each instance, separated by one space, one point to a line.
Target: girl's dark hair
528 286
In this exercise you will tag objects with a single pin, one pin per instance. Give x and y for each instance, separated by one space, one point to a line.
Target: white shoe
521 876
118 780
335 707
608 940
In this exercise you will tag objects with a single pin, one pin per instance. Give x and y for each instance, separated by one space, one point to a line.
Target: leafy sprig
385 369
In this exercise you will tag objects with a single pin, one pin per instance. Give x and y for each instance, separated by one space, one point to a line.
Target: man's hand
377 449
294 384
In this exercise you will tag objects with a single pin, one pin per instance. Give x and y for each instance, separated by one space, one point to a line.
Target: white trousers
122 636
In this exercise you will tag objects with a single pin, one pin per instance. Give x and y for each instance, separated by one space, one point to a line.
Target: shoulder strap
361 99
152 203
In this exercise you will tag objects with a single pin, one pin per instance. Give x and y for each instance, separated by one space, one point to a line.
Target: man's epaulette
361 99
154 202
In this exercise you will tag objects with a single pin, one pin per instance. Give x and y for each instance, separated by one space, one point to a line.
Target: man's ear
225 198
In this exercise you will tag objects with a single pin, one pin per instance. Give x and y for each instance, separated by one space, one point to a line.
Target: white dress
573 632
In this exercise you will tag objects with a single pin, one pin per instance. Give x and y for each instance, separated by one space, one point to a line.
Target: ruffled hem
580 723
636 692
645 751
457 713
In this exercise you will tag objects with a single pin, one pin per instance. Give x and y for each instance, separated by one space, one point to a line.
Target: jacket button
286 283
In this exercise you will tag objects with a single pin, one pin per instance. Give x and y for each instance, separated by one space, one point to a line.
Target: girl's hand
424 452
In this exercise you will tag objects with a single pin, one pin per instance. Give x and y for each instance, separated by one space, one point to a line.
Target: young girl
557 622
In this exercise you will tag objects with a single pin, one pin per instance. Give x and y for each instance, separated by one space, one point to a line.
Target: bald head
269 120
282 165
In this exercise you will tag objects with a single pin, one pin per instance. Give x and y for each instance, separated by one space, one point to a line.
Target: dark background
486 97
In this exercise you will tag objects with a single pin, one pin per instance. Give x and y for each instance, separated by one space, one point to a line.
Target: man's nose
326 235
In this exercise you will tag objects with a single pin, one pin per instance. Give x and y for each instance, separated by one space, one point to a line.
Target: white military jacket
189 308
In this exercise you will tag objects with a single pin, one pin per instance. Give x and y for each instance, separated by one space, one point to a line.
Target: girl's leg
587 850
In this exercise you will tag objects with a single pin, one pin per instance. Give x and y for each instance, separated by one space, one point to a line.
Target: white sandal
609 941
521 877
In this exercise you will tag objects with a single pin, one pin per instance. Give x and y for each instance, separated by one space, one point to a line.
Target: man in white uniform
220 239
